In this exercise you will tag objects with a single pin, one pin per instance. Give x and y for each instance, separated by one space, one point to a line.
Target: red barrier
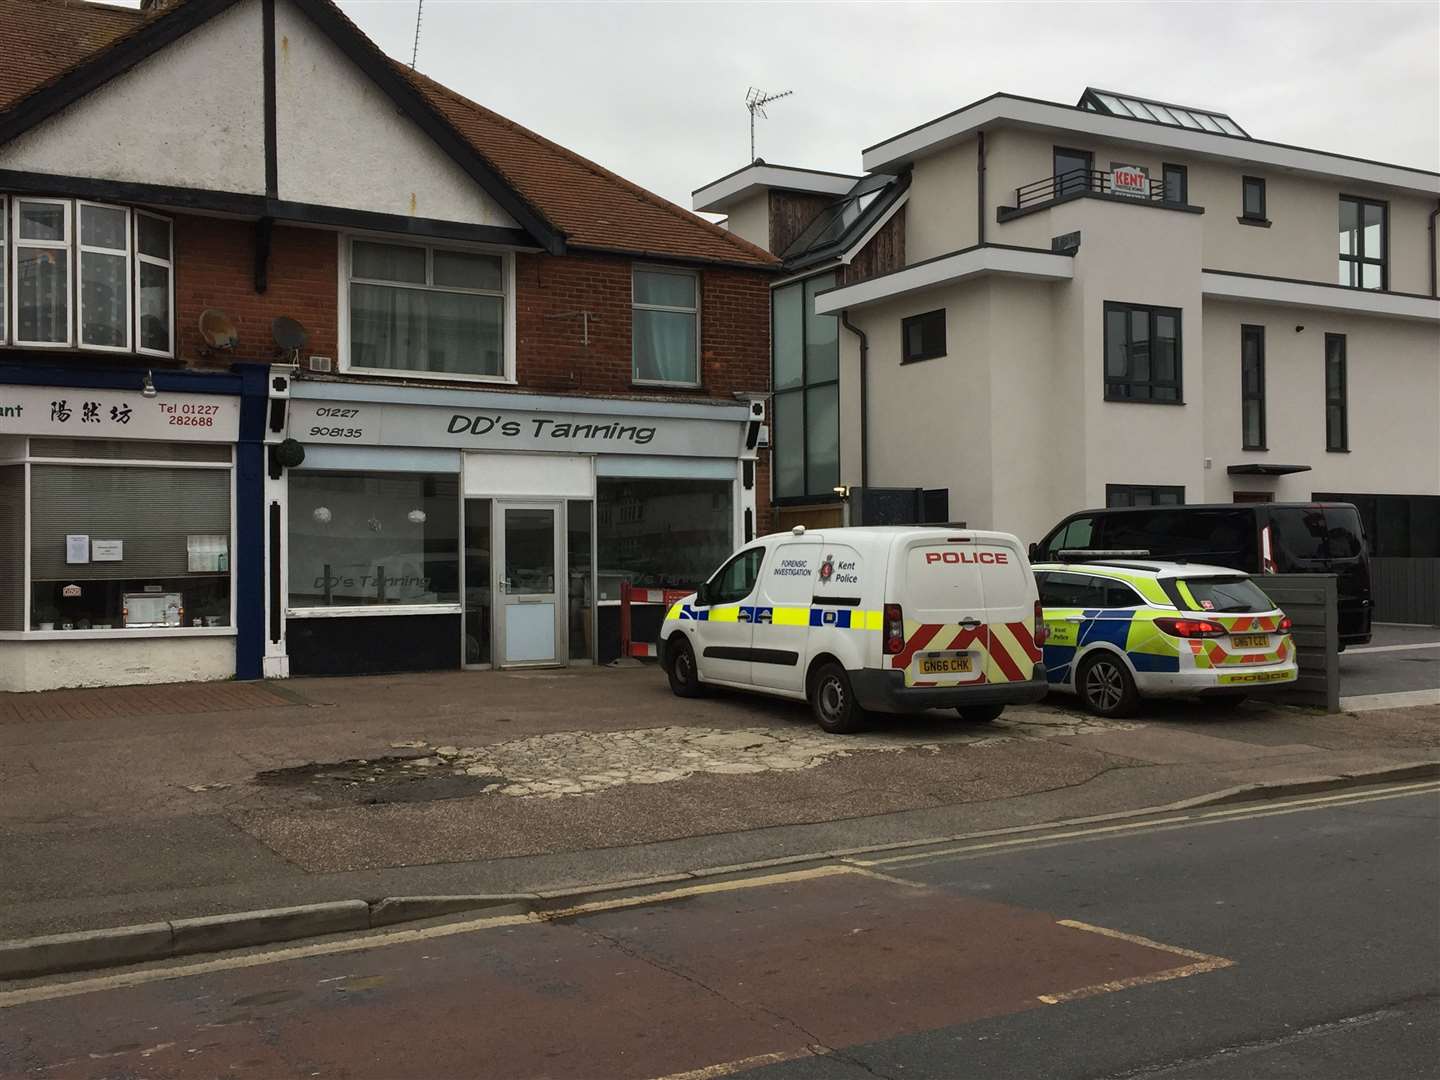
634 594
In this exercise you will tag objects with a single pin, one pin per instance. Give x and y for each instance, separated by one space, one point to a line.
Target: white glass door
529 605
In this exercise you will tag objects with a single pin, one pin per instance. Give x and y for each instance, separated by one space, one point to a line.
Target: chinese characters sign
117 414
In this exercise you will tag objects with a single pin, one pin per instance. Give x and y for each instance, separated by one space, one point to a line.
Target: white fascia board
946 270
445 397
1002 110
718 197
1220 286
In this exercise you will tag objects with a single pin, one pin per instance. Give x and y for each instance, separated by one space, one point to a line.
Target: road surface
1296 938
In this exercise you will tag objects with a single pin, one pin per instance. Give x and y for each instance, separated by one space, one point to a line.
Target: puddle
414 777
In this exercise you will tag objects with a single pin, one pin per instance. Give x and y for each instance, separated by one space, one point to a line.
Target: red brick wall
215 267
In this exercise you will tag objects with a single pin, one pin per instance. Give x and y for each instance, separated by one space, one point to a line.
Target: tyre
1106 687
833 702
980 714
680 669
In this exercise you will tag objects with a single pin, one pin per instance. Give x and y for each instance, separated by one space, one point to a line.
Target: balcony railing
1083 182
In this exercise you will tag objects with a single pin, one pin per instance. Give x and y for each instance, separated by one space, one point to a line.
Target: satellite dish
217 329
289 335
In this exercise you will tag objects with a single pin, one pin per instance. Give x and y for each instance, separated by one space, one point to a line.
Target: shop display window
662 532
373 539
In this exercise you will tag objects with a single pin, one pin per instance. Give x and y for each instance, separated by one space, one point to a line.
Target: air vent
322 365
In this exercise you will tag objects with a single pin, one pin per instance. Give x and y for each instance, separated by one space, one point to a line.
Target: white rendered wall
51 665
191 115
342 142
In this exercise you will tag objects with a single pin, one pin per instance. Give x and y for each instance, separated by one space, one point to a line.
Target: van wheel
833 702
681 671
1106 687
980 714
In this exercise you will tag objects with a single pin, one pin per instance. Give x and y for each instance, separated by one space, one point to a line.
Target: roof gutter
864 398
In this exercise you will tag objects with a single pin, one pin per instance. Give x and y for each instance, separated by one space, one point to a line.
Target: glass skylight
1160 112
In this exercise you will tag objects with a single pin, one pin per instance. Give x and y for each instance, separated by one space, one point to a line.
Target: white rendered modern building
1025 308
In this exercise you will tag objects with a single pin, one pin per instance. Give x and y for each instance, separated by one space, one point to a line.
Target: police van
867 619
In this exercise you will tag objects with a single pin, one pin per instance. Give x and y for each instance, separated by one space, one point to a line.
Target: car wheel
980 714
833 702
680 669
1106 687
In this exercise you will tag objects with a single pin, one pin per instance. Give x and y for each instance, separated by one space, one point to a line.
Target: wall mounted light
843 490
147 386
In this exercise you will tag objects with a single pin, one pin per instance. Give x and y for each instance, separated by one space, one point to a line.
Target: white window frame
507 295
29 460
82 249
4 269
153 260
648 268
68 244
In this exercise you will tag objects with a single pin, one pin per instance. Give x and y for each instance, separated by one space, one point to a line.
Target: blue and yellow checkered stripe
839 618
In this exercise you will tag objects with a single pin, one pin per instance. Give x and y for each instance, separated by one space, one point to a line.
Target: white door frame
504 598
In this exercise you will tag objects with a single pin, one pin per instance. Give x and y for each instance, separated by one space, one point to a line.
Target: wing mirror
1034 551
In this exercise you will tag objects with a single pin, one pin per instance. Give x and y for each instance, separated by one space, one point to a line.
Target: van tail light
1191 628
1267 552
894 630
1286 625
1042 632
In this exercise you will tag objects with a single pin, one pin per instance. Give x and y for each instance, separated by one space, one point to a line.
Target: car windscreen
1222 595
1219 537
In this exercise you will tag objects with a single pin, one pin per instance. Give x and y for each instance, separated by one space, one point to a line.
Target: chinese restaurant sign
117 414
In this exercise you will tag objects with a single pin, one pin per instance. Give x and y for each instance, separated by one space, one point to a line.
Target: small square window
922 337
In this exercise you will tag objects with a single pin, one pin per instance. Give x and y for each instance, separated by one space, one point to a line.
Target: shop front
120 512
431 529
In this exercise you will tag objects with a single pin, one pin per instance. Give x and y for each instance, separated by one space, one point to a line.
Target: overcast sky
656 91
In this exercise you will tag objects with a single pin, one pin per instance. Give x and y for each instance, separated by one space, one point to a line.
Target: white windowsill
117 632
450 376
376 609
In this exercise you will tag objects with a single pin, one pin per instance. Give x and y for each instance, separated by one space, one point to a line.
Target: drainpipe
980 189
864 395
1434 284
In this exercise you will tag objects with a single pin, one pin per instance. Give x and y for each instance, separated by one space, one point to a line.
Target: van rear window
1227 595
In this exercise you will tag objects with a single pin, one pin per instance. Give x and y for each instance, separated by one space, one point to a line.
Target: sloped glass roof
845 218
1186 116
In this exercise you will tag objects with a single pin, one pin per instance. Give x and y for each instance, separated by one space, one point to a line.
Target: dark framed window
1144 495
1337 410
805 413
1364 243
1142 353
1177 184
1252 387
922 337
1252 198
1072 169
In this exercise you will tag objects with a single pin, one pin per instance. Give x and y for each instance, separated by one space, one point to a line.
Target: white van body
789 603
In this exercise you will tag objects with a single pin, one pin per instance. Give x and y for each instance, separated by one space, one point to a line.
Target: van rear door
947 637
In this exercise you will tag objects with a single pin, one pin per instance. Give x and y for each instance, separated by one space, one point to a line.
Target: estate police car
855 620
1122 628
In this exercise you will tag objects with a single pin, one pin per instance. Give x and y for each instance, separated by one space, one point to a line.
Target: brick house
309 364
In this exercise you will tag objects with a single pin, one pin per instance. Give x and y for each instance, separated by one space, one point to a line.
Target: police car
1120 628
868 619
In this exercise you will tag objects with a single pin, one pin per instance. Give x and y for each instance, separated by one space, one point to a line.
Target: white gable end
190 115
341 141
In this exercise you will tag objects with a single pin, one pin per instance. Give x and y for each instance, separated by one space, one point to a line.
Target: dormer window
71 273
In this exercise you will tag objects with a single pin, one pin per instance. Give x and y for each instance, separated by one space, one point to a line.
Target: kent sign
1132 180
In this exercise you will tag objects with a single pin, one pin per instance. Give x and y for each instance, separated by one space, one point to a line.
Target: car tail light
1286 625
1191 628
894 630
1042 632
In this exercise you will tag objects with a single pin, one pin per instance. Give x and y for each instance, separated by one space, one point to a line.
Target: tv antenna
756 100
415 50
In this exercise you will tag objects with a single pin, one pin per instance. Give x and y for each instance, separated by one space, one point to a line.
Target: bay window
71 272
420 309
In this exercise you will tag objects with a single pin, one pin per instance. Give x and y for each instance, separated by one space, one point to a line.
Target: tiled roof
591 205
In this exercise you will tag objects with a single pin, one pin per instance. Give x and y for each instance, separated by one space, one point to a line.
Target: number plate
1250 641
945 665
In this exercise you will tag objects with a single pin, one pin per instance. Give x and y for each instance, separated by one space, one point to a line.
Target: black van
1258 538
